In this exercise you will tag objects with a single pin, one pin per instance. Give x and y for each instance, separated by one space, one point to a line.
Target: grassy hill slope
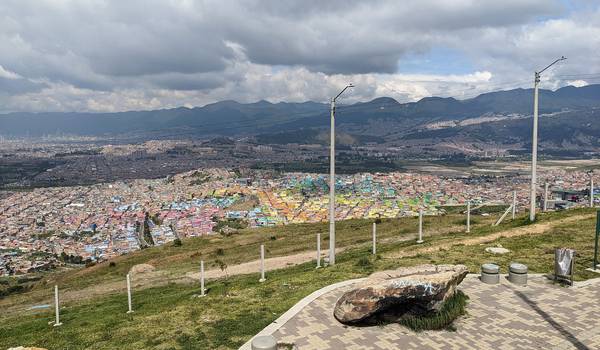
170 316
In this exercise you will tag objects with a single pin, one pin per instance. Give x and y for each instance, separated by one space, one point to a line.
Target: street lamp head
350 85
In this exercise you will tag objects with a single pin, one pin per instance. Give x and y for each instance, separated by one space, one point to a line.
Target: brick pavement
504 316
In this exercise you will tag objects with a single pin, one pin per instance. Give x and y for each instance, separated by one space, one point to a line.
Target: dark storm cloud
157 51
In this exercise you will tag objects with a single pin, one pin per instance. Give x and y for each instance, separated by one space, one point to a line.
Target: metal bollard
262 263
129 295
56 307
202 292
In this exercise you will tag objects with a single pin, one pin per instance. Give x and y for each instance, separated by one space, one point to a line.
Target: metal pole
374 238
420 240
130 310
202 291
534 149
591 191
318 250
262 263
56 307
514 205
546 196
332 187
596 240
468 216
535 137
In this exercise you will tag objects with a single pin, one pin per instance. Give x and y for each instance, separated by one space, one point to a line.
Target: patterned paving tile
504 316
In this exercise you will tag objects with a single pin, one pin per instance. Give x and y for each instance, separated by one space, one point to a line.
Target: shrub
112 264
364 263
177 242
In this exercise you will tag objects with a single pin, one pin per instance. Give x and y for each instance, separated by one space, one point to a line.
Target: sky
115 55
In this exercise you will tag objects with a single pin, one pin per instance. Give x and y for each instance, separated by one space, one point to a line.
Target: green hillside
171 316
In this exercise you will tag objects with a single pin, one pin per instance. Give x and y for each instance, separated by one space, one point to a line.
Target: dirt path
534 229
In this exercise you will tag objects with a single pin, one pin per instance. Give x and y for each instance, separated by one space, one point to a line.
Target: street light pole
332 180
534 139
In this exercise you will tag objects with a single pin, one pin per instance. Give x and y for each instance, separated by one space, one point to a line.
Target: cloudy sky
103 55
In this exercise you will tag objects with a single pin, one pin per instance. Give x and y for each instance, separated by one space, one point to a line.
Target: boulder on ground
418 289
141 268
497 250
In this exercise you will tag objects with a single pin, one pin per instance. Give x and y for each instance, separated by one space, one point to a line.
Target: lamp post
534 138
332 180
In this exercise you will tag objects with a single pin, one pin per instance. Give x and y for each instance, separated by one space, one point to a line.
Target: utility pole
534 139
332 180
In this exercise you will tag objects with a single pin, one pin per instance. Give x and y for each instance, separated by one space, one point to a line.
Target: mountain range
500 117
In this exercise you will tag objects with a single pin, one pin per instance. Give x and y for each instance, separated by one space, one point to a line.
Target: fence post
546 196
130 310
591 192
420 240
56 307
318 250
596 240
514 208
374 238
202 291
262 263
468 216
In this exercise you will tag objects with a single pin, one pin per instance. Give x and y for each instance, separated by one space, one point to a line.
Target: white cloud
123 55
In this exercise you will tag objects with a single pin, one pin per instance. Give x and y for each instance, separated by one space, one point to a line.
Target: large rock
420 288
141 269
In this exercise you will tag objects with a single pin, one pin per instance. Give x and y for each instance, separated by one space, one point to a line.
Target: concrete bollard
202 291
264 342
130 310
262 263
374 238
56 307
490 273
468 216
318 250
420 240
517 273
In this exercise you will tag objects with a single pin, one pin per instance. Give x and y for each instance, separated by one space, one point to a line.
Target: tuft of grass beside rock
454 307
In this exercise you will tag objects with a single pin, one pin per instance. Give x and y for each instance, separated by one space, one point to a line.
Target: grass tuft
453 308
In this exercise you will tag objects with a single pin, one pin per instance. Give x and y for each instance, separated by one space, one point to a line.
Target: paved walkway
504 316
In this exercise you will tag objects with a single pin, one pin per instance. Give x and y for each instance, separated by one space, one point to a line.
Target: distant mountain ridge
230 118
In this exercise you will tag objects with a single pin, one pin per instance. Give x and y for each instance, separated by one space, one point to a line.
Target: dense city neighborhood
48 227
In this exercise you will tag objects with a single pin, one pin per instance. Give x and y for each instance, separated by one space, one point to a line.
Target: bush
364 263
220 252
112 264
177 242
